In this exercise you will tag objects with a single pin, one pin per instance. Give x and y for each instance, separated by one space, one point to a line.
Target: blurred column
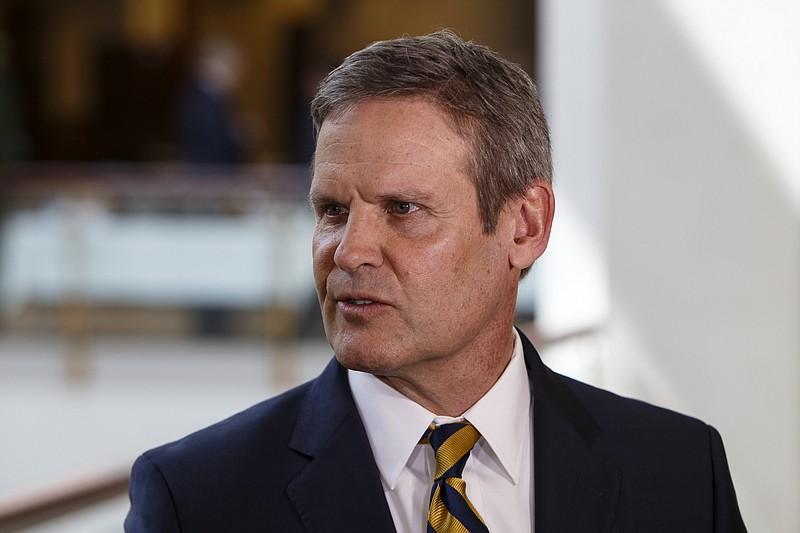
75 310
153 24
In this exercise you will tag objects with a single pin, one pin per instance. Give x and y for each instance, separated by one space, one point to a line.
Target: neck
451 387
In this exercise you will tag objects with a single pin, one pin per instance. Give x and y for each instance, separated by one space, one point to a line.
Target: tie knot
451 444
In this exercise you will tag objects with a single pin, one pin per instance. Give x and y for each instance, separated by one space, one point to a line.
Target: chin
363 360
355 361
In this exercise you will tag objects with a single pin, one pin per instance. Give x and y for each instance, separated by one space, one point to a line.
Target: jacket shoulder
672 468
259 427
616 412
231 475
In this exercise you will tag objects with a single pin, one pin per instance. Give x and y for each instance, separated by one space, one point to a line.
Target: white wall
676 129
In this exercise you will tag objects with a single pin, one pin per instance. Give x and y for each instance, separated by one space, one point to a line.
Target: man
208 130
432 195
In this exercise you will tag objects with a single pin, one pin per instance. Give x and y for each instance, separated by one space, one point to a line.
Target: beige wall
667 152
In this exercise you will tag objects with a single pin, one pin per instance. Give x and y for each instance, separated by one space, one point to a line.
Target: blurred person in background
433 198
303 141
208 128
14 140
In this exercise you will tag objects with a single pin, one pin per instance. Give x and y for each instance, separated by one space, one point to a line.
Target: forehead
389 135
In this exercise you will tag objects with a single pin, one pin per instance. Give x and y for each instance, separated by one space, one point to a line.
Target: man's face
405 276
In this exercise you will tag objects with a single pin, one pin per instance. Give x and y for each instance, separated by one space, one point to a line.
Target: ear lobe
533 218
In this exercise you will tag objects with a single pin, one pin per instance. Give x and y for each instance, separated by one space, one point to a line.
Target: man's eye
403 208
334 210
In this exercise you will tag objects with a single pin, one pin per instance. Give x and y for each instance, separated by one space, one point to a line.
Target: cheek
432 266
478 261
323 246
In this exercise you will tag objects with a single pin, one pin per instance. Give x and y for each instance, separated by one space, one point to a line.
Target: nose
360 243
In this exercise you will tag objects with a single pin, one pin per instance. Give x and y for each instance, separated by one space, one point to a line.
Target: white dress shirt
499 471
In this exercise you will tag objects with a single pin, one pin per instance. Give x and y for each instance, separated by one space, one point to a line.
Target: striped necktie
450 510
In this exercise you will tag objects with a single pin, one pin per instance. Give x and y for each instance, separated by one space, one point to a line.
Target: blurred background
155 271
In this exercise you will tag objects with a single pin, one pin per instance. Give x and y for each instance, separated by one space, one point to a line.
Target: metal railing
31 509
175 188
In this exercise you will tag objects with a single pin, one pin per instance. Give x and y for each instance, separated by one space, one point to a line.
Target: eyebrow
316 198
411 194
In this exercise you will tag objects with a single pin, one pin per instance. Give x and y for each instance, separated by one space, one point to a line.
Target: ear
533 218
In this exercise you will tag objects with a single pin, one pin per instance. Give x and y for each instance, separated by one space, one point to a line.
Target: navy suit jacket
301 462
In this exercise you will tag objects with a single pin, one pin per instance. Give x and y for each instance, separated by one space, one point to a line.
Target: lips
359 308
357 301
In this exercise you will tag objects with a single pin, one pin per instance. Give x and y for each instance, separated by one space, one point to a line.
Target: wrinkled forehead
464 127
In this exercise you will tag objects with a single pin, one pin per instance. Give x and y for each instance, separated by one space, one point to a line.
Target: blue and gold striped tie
450 510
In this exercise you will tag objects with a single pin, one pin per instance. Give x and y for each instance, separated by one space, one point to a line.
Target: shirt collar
394 423
503 417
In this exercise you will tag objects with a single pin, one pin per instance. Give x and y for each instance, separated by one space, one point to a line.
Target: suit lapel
574 488
340 489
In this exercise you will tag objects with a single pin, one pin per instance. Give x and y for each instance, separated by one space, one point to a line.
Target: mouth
356 301
354 297
358 304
